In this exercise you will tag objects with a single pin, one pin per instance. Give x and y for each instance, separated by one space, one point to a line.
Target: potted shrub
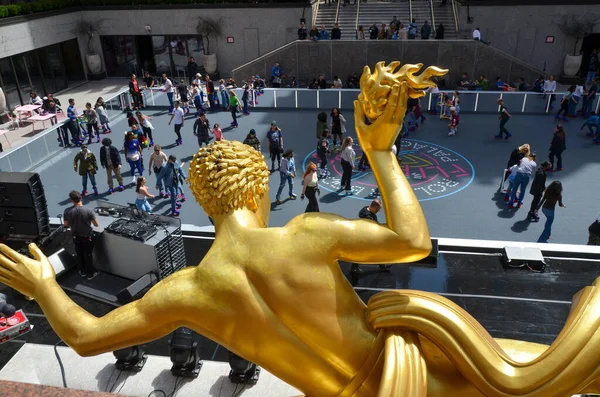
90 29
209 29
576 28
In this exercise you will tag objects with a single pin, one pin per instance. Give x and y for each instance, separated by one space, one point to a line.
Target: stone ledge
16 389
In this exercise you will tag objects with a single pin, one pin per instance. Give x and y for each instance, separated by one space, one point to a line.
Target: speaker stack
23 207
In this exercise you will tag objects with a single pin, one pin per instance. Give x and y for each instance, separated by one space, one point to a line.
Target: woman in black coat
557 146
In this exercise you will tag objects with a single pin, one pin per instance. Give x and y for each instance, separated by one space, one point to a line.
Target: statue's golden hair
226 175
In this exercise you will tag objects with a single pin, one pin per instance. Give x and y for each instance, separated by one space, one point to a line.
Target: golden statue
277 297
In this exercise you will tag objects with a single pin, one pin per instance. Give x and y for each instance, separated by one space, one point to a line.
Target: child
454 122
446 105
217 133
252 140
102 116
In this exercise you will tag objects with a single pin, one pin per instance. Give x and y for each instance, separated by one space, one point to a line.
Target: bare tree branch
209 28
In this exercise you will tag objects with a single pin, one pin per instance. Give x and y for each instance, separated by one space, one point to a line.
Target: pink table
41 117
26 110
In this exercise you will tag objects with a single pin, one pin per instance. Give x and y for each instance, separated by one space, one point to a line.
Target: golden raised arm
405 236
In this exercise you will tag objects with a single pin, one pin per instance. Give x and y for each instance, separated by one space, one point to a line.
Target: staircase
346 18
445 16
382 12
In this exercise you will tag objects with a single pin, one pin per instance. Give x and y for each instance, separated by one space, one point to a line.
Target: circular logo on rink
433 171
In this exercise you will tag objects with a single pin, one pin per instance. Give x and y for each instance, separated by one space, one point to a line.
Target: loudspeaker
23 207
524 257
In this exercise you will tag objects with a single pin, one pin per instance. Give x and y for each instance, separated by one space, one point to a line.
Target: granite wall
256 29
521 31
306 60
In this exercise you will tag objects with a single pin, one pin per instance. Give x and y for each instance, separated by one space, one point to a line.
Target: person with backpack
275 145
252 140
413 29
173 177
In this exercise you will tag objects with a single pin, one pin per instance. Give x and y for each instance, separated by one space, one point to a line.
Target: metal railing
432 16
43 146
337 10
455 12
410 10
315 12
525 102
357 15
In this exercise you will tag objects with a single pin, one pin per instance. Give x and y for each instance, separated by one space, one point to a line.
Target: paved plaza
455 178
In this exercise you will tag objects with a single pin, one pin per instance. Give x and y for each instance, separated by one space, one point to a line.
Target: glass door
52 68
9 84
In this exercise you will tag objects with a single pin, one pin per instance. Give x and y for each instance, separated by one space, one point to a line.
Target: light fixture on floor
131 358
242 371
185 354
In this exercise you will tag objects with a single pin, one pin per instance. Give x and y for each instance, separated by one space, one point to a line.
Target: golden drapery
569 366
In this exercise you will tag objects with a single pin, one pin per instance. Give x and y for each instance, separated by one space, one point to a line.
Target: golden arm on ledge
277 297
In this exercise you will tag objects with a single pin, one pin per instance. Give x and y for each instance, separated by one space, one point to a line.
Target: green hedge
14 10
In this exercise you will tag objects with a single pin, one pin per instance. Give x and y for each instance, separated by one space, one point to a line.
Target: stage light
242 371
131 358
185 354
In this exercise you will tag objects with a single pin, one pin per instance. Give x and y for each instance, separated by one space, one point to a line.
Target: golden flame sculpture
277 297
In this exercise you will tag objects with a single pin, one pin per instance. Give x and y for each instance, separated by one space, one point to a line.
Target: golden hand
382 133
383 100
23 273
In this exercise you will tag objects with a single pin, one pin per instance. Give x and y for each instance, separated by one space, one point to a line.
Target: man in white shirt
177 115
549 89
477 36
168 88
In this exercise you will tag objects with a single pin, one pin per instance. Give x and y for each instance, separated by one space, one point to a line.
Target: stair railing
410 11
454 10
315 12
357 14
433 25
337 11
